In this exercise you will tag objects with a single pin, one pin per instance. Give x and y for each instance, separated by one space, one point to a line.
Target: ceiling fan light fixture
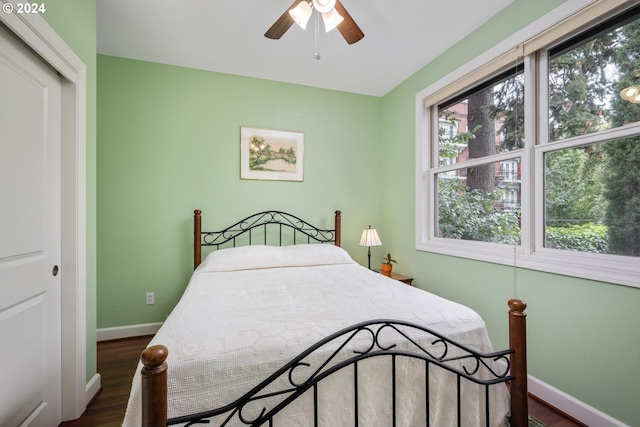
331 19
301 14
324 6
334 15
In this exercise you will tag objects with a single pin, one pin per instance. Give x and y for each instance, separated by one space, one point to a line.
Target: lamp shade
370 238
331 19
301 14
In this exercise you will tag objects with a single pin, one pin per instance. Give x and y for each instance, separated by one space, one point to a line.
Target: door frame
36 33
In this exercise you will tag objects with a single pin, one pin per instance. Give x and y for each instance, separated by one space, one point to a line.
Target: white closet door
30 269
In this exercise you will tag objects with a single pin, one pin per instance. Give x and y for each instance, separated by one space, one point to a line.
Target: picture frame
267 154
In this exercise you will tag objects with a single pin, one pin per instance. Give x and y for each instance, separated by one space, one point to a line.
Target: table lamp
370 238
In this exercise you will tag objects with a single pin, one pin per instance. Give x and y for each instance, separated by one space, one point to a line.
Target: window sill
604 268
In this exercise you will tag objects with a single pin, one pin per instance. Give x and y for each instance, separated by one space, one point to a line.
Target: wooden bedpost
197 238
337 227
518 342
154 386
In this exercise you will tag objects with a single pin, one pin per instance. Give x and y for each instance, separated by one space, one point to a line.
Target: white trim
118 332
93 388
34 31
422 165
527 189
571 406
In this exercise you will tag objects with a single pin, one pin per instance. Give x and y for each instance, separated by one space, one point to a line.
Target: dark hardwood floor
117 361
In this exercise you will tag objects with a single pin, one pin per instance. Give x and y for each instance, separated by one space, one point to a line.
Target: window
475 201
592 183
533 158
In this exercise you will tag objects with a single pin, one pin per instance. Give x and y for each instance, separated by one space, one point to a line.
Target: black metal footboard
349 349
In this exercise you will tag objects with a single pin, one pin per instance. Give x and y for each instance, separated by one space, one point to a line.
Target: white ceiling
401 36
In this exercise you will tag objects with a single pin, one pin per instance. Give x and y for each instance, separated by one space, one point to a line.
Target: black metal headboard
260 221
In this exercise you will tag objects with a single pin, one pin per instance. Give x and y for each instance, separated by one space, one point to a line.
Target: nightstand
404 279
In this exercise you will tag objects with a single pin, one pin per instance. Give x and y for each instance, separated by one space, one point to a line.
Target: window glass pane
592 198
481 203
586 79
486 121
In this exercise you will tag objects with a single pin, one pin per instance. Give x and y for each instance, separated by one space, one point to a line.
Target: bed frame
260 223
440 353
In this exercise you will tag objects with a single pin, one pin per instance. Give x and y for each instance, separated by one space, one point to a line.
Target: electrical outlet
150 298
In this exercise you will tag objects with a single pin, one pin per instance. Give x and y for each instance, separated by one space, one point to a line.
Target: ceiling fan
333 13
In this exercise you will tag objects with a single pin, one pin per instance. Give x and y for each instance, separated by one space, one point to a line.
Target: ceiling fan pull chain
316 54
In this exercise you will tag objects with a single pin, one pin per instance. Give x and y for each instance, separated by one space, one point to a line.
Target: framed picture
271 154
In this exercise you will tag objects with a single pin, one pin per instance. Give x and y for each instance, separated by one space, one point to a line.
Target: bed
275 328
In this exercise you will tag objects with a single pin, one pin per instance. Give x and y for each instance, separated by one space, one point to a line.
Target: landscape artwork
271 154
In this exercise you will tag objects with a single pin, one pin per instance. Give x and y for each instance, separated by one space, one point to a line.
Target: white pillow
261 256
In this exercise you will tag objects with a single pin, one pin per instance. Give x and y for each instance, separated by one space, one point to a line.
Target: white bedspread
240 320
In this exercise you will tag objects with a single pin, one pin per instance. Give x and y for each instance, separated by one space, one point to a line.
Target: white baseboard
92 389
582 412
568 404
118 332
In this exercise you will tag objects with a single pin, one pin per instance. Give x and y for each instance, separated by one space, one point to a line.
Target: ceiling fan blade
348 28
282 24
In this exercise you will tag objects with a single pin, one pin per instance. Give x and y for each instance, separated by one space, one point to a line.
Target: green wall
583 336
75 22
169 142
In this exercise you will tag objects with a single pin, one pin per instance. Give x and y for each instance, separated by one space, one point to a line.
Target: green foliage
623 194
579 88
389 260
508 108
474 215
573 183
585 238
622 182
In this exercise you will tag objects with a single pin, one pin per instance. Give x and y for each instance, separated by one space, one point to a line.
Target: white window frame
563 22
